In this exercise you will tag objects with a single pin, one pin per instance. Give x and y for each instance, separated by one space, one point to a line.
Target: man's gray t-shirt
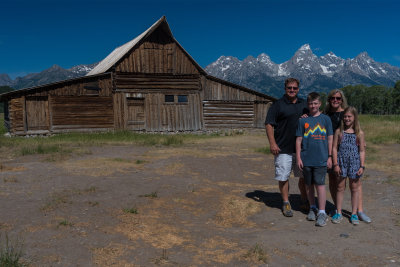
314 146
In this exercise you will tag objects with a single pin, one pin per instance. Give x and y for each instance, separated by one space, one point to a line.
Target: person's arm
299 162
335 164
330 141
274 148
362 153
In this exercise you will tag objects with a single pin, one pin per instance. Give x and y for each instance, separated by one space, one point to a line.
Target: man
281 123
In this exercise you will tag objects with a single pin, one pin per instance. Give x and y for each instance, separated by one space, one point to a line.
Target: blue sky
34 35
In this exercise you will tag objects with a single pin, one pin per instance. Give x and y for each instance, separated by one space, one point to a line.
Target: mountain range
50 75
320 74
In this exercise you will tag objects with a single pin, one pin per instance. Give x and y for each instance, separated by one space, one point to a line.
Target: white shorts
284 165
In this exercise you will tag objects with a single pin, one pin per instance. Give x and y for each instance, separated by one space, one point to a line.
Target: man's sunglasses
335 98
292 88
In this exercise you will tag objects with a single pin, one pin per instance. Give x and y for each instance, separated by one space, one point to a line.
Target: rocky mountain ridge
315 73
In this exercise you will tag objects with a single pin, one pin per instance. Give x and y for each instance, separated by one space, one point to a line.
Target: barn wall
213 90
81 113
227 106
78 105
151 57
17 114
144 110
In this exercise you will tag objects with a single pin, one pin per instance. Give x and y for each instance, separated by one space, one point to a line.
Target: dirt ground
209 203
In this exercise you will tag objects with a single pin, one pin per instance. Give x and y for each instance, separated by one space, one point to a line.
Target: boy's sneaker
321 219
363 217
354 219
287 210
337 218
311 215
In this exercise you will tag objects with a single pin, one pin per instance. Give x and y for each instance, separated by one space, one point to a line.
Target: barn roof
118 53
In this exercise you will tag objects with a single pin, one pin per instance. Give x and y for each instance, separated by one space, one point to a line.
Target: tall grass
65 143
381 129
10 253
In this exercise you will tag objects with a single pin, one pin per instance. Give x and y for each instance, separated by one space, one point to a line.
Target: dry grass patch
110 256
5 168
235 210
217 250
97 166
152 225
170 169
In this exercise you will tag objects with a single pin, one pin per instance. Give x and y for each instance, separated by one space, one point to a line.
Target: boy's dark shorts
314 175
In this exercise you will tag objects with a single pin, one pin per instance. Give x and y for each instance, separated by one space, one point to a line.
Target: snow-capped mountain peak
315 73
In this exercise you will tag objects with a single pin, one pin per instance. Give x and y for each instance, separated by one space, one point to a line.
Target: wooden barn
148 84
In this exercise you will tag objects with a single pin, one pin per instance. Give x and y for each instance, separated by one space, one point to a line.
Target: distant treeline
376 99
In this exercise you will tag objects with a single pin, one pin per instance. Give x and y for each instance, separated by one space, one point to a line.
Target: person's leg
321 193
319 180
354 186
284 189
333 185
360 200
283 167
307 171
361 214
341 186
301 184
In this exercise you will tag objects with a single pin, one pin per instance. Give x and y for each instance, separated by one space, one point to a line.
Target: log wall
82 104
149 111
151 57
81 113
232 114
213 90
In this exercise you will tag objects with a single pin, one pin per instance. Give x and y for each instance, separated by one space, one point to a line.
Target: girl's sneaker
354 219
337 218
363 217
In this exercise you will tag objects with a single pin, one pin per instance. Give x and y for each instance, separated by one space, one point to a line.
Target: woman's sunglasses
335 98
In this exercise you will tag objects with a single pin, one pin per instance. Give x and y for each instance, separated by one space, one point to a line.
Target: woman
335 105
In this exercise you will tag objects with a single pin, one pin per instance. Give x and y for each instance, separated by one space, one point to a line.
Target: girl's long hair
356 123
328 103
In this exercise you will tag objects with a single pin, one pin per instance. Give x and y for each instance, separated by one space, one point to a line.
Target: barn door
37 113
136 113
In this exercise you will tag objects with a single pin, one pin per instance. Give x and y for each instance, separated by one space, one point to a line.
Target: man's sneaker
337 218
311 215
287 210
321 219
364 217
354 219
304 206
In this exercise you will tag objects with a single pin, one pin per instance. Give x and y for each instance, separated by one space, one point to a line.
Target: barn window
182 98
169 98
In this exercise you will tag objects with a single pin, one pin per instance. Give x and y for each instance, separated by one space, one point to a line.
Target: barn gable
154 51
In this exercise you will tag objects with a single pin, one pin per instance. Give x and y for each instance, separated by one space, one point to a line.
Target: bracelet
363 167
334 165
329 156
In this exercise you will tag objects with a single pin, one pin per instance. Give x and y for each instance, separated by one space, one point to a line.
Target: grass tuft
131 210
256 254
151 195
10 253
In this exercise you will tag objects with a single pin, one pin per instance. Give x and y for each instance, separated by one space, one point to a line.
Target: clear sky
34 35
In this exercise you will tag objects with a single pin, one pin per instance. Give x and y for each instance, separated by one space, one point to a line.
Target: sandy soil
210 203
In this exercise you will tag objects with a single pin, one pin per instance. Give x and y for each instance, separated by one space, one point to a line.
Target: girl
335 105
348 161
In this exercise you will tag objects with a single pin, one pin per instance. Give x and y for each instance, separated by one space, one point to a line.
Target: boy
314 155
